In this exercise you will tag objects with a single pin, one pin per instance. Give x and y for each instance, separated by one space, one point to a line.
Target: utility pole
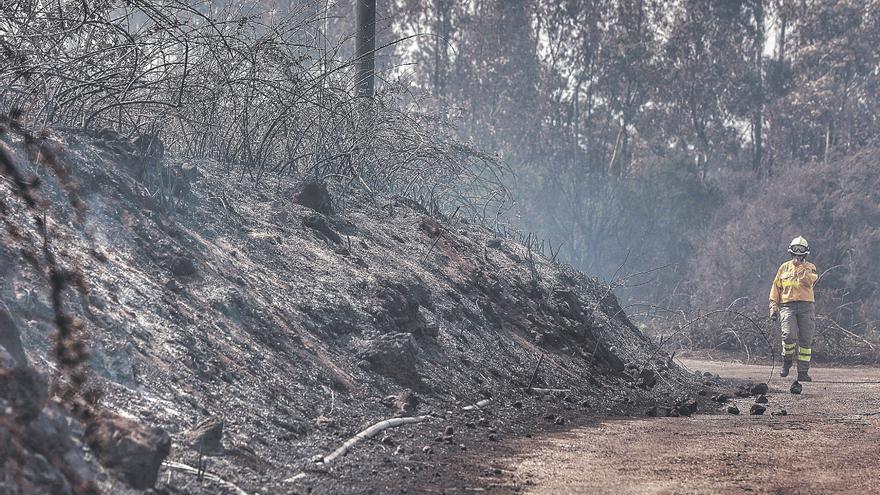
365 47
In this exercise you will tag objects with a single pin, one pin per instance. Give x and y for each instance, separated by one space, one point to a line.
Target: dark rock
493 437
149 145
759 389
133 450
207 436
796 388
430 226
173 286
648 378
50 428
493 243
658 412
181 266
430 329
743 391
406 401
393 356
314 196
559 420
403 306
97 301
108 134
25 391
10 338
720 398
687 407
34 474
189 171
757 409
449 431
732 409
319 224
517 405
762 399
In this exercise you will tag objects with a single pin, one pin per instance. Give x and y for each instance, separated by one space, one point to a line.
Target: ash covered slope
292 325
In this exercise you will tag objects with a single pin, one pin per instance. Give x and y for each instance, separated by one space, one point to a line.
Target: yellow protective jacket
793 283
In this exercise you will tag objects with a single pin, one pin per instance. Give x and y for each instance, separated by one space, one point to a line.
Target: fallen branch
551 390
212 477
432 247
847 332
857 382
295 478
554 254
369 433
535 373
479 405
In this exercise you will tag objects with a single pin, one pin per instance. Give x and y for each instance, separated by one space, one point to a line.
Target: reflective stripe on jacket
793 283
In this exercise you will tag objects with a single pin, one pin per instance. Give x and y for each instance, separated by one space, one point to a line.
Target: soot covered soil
295 322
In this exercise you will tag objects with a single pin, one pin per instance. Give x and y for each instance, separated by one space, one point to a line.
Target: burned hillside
292 329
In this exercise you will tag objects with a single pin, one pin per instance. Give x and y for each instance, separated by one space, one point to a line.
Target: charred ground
297 321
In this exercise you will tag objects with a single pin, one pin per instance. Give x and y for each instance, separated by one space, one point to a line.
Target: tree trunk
441 44
365 47
758 118
612 165
588 130
829 136
780 40
577 119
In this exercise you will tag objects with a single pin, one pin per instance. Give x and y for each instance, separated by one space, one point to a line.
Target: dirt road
828 443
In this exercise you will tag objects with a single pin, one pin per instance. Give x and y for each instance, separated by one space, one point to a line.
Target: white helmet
799 246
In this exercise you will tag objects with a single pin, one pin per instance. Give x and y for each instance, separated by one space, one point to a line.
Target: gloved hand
774 316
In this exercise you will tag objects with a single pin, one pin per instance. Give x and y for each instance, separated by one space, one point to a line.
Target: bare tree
257 90
366 47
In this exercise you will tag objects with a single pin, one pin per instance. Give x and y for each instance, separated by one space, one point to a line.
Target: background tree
604 109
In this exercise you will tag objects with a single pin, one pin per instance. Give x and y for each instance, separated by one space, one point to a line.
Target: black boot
803 367
786 367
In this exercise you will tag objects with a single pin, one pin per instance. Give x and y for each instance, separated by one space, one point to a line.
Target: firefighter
791 301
